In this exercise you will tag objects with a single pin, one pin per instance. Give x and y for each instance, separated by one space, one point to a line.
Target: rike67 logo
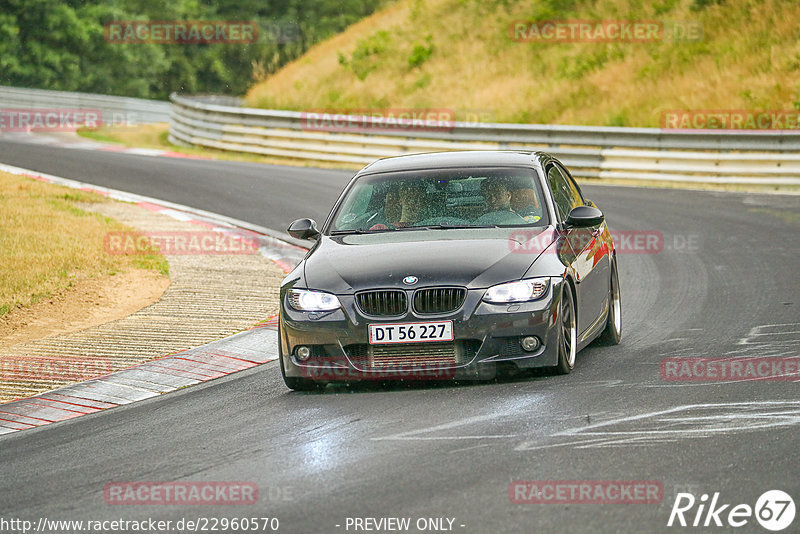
774 510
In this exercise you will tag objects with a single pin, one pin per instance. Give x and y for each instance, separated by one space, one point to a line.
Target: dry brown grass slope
748 58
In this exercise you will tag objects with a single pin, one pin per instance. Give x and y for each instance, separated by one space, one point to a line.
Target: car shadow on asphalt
388 386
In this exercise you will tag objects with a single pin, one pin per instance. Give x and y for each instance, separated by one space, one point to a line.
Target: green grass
156 136
459 54
48 242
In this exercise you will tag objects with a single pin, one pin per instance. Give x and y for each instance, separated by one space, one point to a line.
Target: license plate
410 332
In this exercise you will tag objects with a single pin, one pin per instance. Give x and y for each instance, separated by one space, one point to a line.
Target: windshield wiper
444 226
348 232
453 226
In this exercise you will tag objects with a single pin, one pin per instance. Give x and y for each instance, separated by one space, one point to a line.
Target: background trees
60 44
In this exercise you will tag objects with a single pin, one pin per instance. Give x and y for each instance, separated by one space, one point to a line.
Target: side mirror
304 229
584 216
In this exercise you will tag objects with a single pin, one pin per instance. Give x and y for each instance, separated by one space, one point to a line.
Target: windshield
442 199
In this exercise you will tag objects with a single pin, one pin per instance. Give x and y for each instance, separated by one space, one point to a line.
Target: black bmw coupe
450 265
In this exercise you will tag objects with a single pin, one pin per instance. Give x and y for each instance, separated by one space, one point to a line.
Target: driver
525 202
496 195
497 199
412 202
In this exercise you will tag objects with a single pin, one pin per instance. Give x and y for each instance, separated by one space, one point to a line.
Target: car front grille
383 302
439 299
405 356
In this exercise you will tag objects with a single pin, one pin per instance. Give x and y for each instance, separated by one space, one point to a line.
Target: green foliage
617 119
523 116
699 5
664 6
552 9
365 57
153 262
575 67
60 44
421 53
423 82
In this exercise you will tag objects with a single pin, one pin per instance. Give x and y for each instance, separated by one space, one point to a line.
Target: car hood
470 258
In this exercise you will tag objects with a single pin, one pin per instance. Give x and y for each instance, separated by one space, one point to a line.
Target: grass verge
156 136
48 242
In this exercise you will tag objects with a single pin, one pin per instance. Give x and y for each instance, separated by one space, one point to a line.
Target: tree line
64 44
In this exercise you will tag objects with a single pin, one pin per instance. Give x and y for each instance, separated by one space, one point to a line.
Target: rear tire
613 331
567 332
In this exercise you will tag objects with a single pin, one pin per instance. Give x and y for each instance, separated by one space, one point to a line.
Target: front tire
567 332
613 332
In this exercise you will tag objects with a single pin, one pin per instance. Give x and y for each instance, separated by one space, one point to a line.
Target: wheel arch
573 290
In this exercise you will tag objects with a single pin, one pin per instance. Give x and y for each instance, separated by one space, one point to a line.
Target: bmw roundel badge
410 280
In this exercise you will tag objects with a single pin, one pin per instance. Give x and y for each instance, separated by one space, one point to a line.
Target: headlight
305 300
521 291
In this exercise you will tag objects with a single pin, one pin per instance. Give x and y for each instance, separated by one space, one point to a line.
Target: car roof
434 160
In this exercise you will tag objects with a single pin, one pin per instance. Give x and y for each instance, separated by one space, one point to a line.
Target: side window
573 185
564 194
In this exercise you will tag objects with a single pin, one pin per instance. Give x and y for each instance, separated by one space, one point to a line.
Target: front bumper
486 338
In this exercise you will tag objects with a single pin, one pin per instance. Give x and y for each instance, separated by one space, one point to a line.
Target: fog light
303 353
530 343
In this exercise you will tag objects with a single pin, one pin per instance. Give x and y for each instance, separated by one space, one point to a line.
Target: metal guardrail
767 157
115 109
731 157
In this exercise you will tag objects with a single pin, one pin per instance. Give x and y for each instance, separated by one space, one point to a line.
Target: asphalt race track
723 285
